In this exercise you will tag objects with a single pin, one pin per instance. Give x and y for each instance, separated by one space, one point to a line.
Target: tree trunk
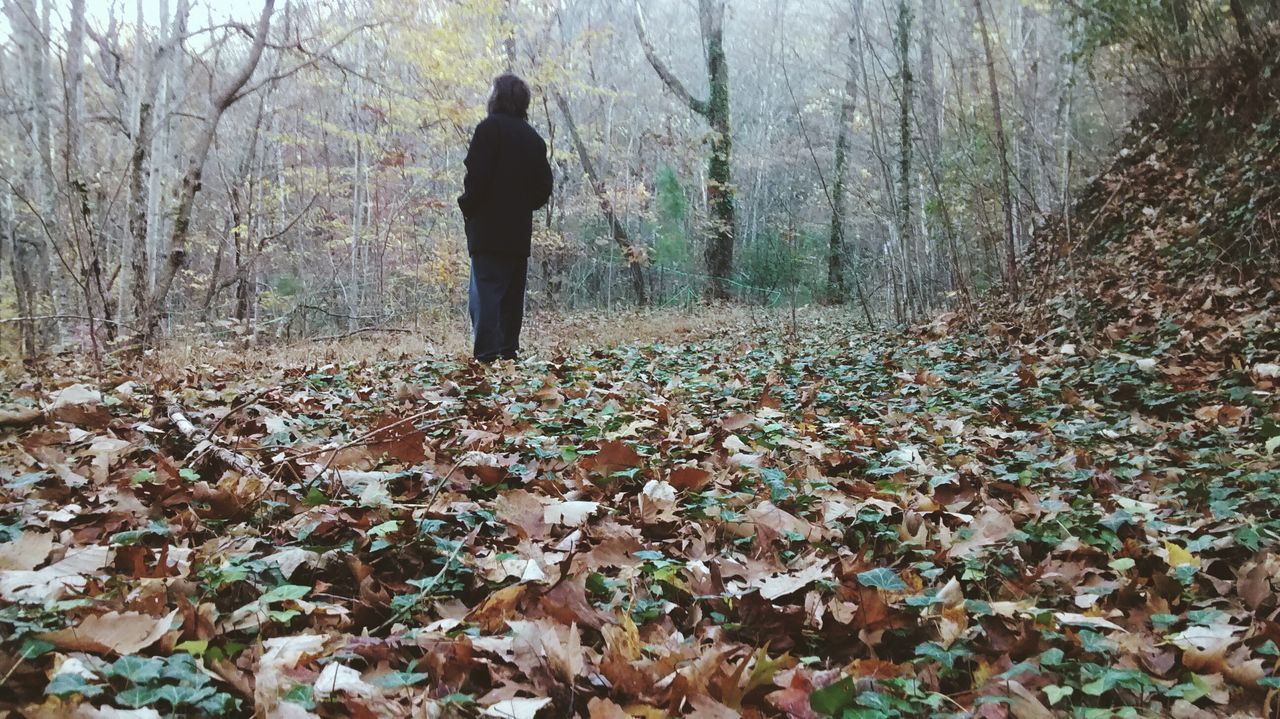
1241 17
720 189
140 162
835 249
906 232
1011 259
931 132
190 185
629 251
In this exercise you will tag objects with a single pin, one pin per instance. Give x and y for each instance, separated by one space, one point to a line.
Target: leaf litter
741 526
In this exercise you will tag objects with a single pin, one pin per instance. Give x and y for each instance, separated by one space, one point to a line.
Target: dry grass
545 334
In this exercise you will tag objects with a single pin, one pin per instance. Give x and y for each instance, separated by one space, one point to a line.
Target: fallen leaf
114 632
28 551
56 580
335 678
518 708
570 513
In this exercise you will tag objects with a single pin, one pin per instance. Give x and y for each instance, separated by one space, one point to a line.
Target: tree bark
835 248
140 162
1241 17
1011 242
30 261
190 186
630 253
720 188
906 232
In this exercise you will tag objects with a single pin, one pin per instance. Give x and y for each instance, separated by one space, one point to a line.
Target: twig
362 330
237 461
22 658
221 420
362 440
400 614
82 318
440 484
374 432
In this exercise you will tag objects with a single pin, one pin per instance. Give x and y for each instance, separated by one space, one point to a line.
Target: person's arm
482 157
543 182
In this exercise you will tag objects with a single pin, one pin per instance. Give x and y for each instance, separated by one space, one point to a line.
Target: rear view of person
508 178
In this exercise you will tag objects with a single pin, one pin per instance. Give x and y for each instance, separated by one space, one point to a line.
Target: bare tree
1011 240
224 98
633 255
720 188
839 203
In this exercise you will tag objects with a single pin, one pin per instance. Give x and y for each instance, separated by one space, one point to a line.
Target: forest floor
750 522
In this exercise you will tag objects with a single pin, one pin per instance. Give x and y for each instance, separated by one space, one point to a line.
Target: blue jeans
496 302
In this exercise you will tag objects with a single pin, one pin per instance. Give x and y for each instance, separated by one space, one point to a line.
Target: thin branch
673 83
315 58
362 330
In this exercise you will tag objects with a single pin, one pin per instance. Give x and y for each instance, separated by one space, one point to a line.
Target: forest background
288 170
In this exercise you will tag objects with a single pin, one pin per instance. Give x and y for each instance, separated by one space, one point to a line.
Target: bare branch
668 78
309 62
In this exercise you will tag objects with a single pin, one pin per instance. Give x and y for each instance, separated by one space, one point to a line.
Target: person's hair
510 96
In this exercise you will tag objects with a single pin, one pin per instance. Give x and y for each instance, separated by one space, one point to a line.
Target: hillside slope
1177 244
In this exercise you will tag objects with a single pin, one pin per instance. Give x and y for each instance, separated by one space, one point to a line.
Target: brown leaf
599 708
523 512
567 603
28 551
492 614
19 417
404 442
614 456
122 633
793 699
1254 581
989 527
689 478
704 707
83 415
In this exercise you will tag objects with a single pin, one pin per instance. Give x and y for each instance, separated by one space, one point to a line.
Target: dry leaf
518 708
121 633
27 552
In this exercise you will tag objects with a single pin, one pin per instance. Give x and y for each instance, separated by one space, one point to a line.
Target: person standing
508 178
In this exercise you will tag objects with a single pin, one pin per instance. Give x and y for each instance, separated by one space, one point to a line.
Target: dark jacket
508 177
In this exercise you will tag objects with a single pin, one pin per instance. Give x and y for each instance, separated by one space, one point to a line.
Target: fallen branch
362 439
236 461
81 318
362 330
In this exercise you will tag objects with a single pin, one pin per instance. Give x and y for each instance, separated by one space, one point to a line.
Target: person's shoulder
532 132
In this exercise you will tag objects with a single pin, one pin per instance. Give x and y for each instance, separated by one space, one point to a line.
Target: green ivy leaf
882 578
833 698
1123 564
384 528
284 592
196 647
302 696
32 648
396 680
138 670
64 685
1056 693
